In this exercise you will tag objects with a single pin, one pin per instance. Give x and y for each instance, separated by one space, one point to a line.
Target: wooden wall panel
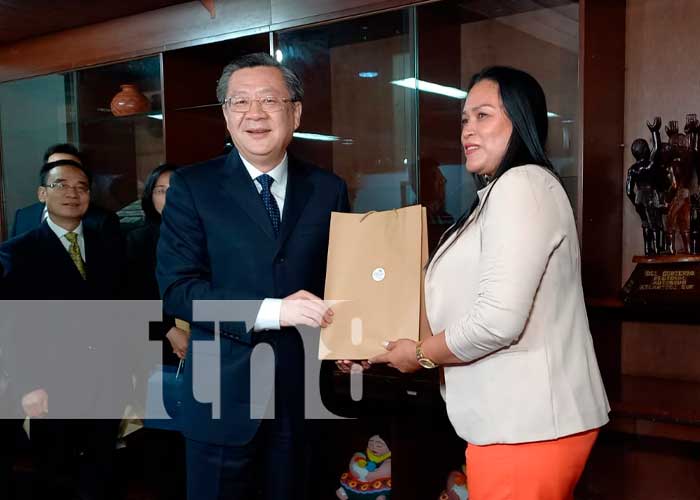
148 33
603 91
288 13
184 25
22 19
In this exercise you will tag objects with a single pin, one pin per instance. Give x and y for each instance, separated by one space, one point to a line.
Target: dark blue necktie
269 201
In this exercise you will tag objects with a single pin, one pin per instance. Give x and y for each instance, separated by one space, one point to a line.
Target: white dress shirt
269 314
508 296
61 234
279 174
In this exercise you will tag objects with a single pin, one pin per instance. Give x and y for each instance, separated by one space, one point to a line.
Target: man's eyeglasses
63 188
242 104
160 190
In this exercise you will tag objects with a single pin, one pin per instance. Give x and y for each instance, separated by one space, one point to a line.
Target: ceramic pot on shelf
129 101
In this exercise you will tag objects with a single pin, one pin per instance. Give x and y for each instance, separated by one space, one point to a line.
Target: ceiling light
412 83
316 137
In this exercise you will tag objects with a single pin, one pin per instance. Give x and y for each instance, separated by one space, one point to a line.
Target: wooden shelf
604 303
107 116
671 401
666 259
201 106
656 407
613 308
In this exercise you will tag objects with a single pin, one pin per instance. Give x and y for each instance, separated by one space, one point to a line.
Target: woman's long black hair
150 212
526 106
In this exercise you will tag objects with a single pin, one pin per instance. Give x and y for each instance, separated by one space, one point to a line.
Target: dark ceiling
20 19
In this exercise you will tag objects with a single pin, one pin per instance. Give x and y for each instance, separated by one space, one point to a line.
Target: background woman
164 450
504 298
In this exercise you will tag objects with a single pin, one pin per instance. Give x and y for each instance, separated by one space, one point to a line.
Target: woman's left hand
401 355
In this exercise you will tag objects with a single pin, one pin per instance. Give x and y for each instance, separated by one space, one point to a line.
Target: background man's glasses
64 188
269 104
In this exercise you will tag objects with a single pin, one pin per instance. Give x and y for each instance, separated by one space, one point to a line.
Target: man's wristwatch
422 359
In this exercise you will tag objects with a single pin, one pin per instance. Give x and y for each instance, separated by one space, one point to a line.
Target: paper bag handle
373 212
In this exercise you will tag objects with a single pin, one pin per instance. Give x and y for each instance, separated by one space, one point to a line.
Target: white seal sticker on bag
378 274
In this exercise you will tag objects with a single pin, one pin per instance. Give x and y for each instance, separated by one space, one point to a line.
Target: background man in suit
251 225
28 218
56 372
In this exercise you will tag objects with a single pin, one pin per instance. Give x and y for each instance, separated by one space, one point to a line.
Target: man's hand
36 403
401 355
179 340
304 308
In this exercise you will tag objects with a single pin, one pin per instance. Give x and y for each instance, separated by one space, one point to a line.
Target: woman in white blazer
503 294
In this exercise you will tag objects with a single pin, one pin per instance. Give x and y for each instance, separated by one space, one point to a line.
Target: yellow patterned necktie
74 252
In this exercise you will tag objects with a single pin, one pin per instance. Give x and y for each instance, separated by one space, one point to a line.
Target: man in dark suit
251 225
58 374
28 218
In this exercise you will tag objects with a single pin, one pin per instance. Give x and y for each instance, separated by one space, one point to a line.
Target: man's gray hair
296 90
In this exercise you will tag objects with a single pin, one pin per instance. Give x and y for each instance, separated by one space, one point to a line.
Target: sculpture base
665 280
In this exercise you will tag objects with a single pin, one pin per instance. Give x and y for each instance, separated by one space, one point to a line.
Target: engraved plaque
664 280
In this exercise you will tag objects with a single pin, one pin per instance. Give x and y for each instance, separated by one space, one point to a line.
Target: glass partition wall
382 107
75 107
34 114
384 95
457 39
358 119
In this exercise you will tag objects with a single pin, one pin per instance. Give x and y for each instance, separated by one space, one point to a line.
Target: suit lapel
57 253
237 184
297 195
92 251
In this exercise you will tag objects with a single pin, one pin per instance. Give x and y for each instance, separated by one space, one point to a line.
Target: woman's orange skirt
543 470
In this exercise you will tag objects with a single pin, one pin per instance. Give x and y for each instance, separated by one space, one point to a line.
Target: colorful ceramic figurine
456 486
369 475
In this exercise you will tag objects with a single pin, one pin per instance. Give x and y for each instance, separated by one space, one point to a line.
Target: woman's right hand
179 340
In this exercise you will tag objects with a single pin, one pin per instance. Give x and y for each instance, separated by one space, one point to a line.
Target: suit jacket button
281 260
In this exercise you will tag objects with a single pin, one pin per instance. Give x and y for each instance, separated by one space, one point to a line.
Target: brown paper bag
374 280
